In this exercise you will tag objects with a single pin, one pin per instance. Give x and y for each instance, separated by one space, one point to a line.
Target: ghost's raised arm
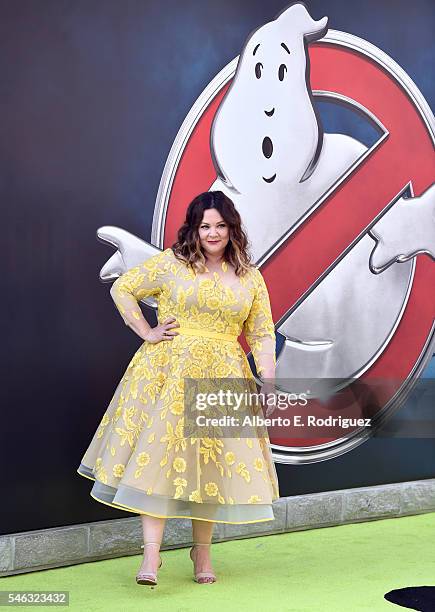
137 283
405 230
259 329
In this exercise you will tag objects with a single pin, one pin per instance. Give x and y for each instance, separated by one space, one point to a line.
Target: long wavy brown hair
188 248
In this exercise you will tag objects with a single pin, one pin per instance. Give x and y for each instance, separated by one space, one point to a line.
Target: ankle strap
148 543
202 543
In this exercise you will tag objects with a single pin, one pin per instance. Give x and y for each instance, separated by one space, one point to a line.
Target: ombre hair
188 249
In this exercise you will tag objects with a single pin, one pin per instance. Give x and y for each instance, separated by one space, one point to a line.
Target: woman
208 292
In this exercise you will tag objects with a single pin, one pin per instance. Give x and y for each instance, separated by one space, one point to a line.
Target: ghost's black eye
281 72
258 69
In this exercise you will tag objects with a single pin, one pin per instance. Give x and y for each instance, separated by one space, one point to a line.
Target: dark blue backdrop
92 94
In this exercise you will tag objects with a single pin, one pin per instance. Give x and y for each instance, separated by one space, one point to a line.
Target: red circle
407 153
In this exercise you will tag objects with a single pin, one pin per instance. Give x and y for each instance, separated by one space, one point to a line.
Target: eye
281 72
258 69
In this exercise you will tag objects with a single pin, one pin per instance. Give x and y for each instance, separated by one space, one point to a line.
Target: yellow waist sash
192 331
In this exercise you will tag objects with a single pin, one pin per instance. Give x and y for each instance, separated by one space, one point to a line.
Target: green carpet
344 568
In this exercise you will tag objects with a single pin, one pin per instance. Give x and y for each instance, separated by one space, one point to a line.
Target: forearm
129 309
141 327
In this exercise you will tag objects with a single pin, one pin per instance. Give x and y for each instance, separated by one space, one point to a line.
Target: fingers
164 336
168 324
169 335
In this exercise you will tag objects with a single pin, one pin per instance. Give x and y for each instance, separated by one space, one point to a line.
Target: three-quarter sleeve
140 282
259 328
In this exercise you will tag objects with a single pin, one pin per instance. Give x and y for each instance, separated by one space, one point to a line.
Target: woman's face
214 233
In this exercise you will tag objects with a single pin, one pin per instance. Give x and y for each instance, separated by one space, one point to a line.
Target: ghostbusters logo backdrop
337 228
316 119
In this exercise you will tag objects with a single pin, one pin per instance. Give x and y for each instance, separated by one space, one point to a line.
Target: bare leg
202 532
152 528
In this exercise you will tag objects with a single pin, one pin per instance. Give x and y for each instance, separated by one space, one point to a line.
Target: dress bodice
206 302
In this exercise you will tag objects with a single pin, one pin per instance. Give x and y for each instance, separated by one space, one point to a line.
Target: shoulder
168 254
169 262
160 260
173 259
258 278
255 273
251 279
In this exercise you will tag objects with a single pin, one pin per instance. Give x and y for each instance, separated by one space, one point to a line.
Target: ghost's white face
265 132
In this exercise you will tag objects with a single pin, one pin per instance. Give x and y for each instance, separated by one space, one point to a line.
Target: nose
270 113
267 147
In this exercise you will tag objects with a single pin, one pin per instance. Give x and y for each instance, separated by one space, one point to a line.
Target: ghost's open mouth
270 179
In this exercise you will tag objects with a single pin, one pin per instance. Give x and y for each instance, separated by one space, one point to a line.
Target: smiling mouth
270 179
270 113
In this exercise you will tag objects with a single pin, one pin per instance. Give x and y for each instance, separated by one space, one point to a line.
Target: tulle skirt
141 461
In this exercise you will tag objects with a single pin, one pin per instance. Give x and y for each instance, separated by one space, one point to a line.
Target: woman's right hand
163 331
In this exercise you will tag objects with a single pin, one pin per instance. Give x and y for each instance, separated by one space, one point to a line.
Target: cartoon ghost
265 134
274 161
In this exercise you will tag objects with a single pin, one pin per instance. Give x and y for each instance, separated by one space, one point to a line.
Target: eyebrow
284 46
255 50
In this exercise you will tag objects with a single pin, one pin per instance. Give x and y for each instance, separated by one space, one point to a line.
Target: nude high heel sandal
201 577
148 578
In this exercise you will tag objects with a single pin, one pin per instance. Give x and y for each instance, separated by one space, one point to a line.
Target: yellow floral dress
139 459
